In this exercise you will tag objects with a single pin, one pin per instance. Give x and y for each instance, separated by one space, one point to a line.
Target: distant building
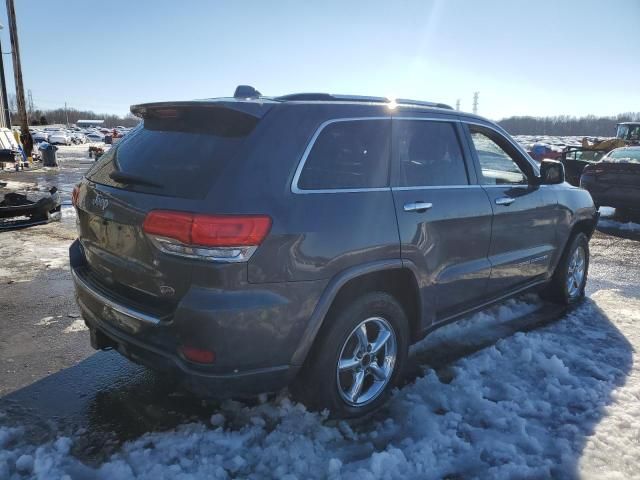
90 123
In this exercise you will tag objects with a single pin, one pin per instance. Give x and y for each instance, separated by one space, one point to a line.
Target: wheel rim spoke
382 339
377 372
356 387
348 364
363 339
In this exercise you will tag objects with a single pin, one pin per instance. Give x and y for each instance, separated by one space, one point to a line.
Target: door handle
417 207
505 201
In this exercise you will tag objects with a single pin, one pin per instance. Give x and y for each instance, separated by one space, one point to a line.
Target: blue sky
524 57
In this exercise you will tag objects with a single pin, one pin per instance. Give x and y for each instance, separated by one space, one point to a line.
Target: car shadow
102 402
440 352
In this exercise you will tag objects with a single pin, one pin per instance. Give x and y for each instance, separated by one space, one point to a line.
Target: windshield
628 132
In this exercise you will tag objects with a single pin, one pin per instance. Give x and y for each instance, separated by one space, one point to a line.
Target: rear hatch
169 162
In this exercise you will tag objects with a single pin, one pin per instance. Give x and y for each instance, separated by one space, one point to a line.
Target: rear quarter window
348 154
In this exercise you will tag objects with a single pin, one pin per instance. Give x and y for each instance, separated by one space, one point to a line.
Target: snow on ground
561 401
624 226
607 220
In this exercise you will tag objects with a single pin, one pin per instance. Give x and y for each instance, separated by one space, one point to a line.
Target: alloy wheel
576 271
366 362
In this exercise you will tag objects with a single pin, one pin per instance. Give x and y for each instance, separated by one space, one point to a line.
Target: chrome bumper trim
135 314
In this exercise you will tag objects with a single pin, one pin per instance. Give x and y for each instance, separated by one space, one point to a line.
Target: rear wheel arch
390 277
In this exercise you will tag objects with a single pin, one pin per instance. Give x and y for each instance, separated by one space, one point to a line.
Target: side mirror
551 172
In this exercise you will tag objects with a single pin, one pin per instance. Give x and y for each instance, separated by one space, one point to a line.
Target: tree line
565 125
57 116
561 125
71 116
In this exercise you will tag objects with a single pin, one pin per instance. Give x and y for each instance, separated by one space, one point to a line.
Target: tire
319 385
560 289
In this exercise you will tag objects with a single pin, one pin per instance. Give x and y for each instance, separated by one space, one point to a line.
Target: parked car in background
318 259
575 159
614 181
59 137
40 136
95 137
78 138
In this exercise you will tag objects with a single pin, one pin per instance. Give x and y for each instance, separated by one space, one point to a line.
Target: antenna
475 102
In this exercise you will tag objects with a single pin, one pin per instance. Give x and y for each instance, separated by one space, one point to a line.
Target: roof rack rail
407 101
329 97
246 91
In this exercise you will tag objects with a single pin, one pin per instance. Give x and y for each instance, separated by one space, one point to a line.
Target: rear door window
429 153
178 153
350 154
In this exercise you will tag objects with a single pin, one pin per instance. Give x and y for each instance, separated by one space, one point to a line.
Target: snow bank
624 226
560 402
607 220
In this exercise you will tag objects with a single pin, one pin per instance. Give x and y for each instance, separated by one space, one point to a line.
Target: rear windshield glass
177 153
624 155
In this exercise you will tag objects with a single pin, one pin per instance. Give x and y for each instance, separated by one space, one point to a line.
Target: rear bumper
248 383
254 332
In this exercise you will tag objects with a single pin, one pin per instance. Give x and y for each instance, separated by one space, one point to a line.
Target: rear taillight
225 238
74 196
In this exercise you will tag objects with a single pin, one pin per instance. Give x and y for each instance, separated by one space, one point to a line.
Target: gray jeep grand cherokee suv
250 243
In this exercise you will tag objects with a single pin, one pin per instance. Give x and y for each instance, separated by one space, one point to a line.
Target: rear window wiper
128 178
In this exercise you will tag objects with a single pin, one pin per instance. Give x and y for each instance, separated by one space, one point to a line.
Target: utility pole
475 102
17 72
4 101
458 104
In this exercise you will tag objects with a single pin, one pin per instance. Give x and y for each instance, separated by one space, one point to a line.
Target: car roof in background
629 147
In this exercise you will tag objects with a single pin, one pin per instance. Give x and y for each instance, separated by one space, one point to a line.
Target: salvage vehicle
17 210
40 136
614 181
94 137
59 137
254 242
576 158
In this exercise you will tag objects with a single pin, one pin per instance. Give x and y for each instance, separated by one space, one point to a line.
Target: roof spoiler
255 109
